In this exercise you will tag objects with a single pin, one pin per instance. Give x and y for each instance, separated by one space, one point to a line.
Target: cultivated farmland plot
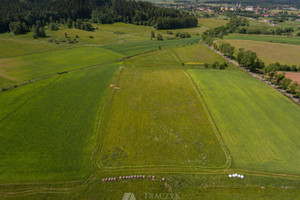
56 146
157 119
259 125
136 107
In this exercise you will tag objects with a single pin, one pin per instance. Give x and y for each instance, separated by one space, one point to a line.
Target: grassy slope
47 135
156 118
16 46
38 65
265 38
259 125
271 52
35 65
197 53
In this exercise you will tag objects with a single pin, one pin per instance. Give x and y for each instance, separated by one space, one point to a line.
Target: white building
249 8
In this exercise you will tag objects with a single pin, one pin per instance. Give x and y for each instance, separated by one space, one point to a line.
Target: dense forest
22 16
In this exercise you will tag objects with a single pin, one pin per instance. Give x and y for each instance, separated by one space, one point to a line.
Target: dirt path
255 75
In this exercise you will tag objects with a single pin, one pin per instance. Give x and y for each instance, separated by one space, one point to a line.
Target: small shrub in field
159 37
91 37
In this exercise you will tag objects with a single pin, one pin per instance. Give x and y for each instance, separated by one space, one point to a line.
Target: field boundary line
107 106
45 190
73 70
21 105
210 171
225 148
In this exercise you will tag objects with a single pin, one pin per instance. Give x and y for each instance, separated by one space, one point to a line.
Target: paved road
255 75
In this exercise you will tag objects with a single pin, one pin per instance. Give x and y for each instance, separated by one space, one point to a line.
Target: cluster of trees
249 60
266 31
279 67
235 22
182 35
226 49
216 65
279 79
20 16
179 34
79 24
142 13
18 27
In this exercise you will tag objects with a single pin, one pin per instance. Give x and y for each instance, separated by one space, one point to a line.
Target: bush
182 35
159 37
91 37
215 65
223 66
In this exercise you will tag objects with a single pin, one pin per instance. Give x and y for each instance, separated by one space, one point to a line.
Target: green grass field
23 68
12 46
259 125
133 48
270 52
157 119
264 38
48 128
18 68
62 134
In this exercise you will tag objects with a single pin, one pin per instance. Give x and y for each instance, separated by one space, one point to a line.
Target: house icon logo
128 196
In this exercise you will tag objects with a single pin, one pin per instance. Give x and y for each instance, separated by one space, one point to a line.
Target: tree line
266 31
209 35
21 16
278 78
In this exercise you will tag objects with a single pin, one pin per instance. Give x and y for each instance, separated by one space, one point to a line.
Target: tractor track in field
229 157
73 70
43 189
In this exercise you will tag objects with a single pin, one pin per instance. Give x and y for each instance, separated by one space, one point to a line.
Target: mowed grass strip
176 57
198 53
271 52
48 132
155 118
264 38
259 125
23 68
133 48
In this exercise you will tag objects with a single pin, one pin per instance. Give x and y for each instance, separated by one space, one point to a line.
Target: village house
249 8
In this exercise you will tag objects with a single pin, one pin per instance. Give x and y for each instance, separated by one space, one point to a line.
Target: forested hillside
20 16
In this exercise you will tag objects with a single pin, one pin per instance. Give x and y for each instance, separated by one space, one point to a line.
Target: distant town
271 14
